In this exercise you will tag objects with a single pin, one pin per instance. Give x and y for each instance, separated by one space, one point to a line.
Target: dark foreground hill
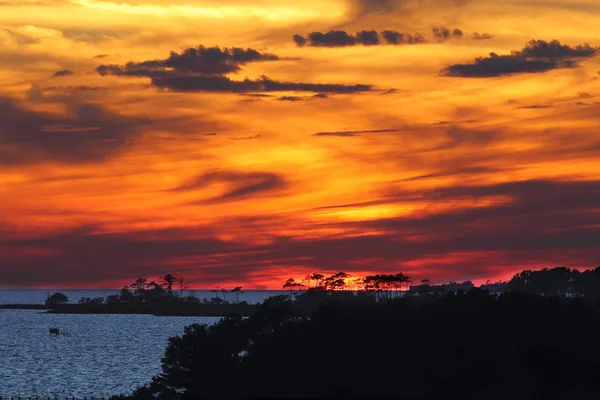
460 346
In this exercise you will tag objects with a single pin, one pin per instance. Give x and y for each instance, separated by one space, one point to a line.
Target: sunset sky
246 142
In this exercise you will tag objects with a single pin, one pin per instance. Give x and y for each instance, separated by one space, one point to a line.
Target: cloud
300 40
542 222
242 185
481 36
205 69
536 56
80 88
365 38
303 98
64 72
82 255
536 106
291 98
555 50
88 133
331 39
368 38
355 133
202 83
444 34
253 137
396 38
372 38
539 222
201 60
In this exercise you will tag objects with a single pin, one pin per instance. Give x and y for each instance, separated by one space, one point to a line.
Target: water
38 296
105 354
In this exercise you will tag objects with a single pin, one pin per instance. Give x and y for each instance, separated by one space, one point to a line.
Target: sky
247 142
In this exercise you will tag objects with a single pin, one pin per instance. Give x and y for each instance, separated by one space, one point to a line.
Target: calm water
105 354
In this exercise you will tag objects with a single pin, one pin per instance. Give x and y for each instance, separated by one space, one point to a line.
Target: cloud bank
204 70
536 56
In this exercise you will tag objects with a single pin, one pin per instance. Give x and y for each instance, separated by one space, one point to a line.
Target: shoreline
198 310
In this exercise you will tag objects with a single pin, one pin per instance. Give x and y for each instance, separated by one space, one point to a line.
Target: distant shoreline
198 310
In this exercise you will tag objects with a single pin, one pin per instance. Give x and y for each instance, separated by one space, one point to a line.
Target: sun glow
216 12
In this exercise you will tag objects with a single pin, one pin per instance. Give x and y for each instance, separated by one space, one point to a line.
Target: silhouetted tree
182 284
139 287
317 279
169 280
237 291
125 295
57 299
292 286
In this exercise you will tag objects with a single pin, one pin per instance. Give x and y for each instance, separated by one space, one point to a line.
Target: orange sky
119 159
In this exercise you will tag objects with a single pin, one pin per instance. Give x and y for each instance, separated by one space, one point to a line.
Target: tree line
166 290
560 281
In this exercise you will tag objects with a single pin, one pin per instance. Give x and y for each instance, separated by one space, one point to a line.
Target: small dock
59 332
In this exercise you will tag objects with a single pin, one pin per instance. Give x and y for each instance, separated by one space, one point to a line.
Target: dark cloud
355 133
64 72
368 38
496 65
80 88
291 98
204 70
202 83
443 34
83 255
304 98
481 36
555 50
396 38
201 60
101 56
536 106
257 95
365 38
537 56
242 185
331 39
338 38
88 133
300 40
